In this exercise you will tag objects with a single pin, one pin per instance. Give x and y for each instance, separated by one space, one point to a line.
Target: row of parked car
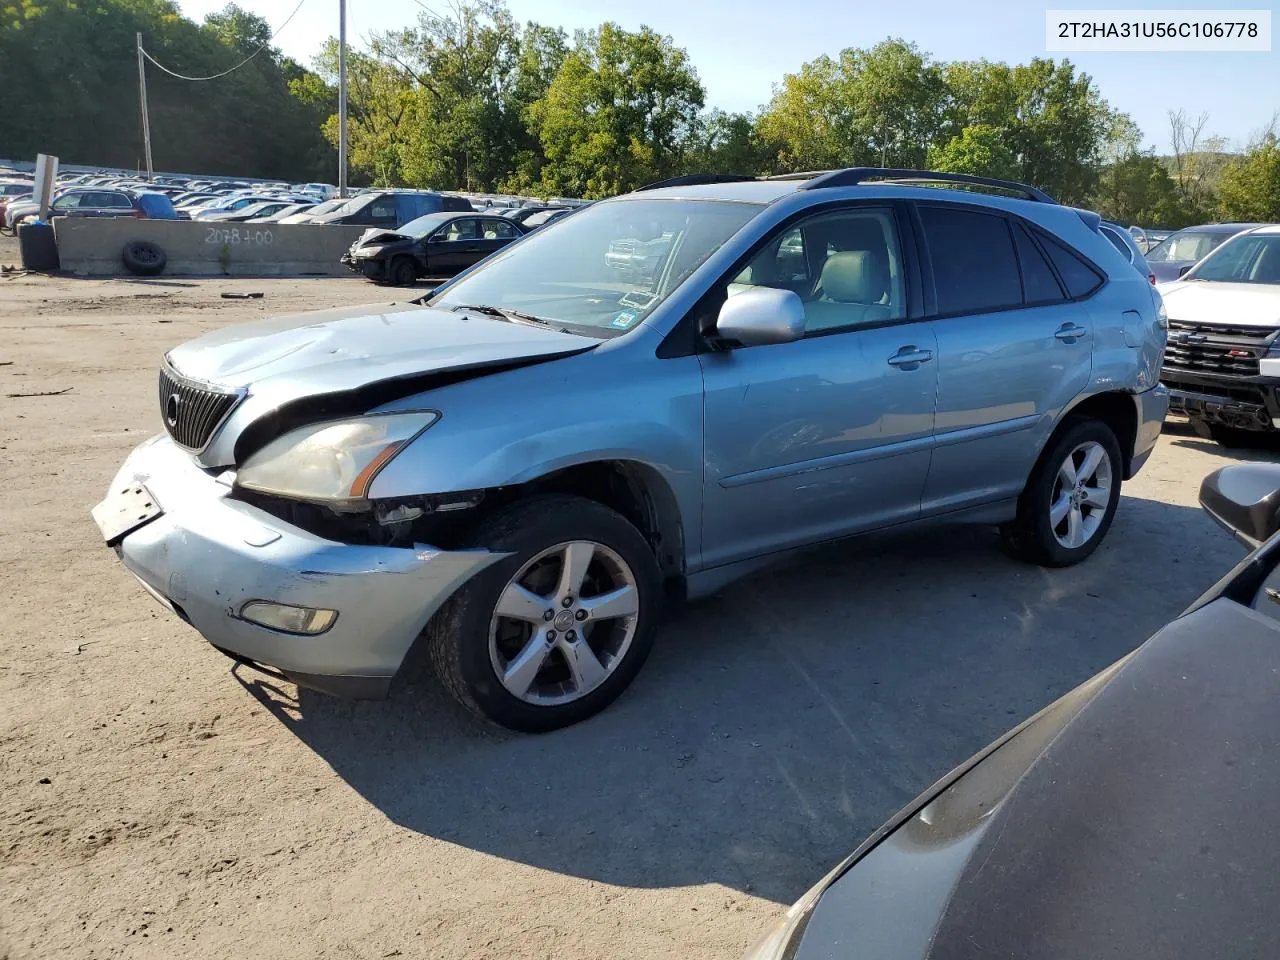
238 201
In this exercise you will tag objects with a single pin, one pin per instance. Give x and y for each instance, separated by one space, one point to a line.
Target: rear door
495 233
1013 350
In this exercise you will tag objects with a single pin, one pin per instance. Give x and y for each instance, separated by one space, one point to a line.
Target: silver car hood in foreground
285 359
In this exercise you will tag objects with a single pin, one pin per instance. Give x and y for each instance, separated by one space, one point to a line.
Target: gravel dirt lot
155 804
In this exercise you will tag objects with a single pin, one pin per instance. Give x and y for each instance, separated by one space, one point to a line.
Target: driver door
831 434
454 247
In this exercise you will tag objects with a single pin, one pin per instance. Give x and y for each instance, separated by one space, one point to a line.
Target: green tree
979 150
883 105
1137 189
1052 120
1249 189
730 143
810 123
619 112
69 74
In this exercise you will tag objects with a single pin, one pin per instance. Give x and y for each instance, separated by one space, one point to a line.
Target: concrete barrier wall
91 247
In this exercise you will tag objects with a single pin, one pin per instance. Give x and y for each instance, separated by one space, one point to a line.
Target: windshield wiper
511 316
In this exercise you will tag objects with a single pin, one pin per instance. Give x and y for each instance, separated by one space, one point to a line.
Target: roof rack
856 175
693 179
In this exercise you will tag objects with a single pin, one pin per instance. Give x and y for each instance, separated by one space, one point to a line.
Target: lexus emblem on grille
171 408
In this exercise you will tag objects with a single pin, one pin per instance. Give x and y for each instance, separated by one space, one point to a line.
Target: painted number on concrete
260 238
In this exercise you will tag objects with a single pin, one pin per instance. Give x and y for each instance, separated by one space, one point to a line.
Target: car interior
845 267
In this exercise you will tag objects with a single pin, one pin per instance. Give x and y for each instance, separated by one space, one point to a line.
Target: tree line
470 99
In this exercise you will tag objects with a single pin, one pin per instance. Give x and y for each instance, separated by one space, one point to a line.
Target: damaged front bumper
205 555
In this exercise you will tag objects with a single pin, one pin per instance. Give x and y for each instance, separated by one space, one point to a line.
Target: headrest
855 276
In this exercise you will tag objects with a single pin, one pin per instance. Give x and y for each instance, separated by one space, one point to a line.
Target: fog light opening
288 619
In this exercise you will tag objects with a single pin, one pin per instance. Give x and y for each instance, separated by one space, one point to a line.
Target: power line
217 76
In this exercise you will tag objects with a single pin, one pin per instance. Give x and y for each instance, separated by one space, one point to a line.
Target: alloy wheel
1081 495
564 623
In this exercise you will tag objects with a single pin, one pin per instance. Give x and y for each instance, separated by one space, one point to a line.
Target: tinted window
384 208
1080 278
1039 285
414 205
974 266
455 203
845 267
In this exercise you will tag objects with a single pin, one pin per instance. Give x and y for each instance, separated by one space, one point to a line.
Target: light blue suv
521 466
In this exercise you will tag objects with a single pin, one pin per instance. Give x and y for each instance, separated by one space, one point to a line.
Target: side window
1080 278
974 265
118 200
465 229
383 208
1039 285
499 230
845 266
1118 243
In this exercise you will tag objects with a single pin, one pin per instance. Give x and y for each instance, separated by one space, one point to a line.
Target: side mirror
1245 499
1182 270
761 315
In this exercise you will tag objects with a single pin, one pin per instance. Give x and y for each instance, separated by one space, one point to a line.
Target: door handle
910 357
1070 332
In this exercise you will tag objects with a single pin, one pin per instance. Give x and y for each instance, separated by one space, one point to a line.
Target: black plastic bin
39 252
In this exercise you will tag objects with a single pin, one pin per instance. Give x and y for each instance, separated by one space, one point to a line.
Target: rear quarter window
1078 277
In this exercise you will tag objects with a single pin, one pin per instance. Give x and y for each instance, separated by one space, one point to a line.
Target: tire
470 645
402 272
143 259
1033 535
1235 438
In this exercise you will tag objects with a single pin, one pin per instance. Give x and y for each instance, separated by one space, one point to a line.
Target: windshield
1248 258
1186 245
606 268
425 225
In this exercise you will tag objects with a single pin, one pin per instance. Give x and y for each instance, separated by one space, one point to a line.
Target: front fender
516 426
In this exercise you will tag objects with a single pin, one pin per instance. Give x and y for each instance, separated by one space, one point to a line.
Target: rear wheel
556 631
1070 499
403 271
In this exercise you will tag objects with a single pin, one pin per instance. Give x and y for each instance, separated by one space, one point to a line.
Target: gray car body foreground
1127 819
735 456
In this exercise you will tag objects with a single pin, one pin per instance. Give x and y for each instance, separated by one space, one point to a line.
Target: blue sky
742 47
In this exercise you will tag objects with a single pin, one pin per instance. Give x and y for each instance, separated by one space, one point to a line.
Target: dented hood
380 235
305 354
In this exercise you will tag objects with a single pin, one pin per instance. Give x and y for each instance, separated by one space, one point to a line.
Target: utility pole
342 98
146 121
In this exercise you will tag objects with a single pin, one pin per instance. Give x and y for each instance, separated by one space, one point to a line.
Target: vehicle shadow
1263 449
777 724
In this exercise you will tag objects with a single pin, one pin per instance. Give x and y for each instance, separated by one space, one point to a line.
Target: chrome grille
1217 348
192 412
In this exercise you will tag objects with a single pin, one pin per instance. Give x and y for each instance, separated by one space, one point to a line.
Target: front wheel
1070 499
403 272
556 631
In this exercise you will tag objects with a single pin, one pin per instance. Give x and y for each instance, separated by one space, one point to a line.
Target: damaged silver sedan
515 472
